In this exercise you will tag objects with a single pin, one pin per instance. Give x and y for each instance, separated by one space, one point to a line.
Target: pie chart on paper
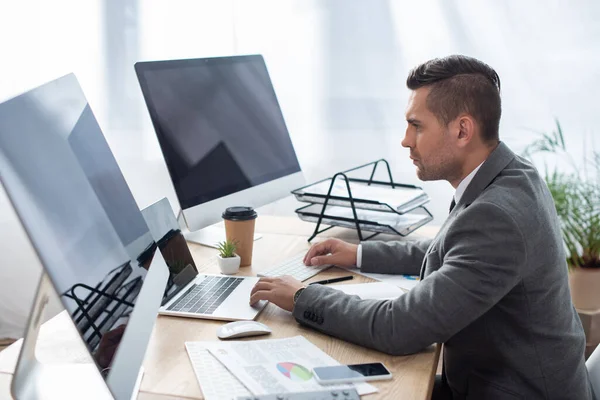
295 372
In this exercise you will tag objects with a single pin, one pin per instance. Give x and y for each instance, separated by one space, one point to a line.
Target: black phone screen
351 371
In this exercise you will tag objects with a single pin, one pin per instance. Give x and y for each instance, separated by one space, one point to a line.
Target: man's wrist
297 295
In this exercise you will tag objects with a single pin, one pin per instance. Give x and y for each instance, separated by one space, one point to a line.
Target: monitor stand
209 236
35 380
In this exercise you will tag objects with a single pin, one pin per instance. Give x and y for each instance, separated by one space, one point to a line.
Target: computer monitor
83 222
221 132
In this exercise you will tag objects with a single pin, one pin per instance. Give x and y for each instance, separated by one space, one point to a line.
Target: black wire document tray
364 204
368 220
364 194
379 196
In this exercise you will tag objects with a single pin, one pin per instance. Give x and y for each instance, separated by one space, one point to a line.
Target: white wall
338 67
39 41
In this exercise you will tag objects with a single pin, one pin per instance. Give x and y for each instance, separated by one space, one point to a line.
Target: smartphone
351 373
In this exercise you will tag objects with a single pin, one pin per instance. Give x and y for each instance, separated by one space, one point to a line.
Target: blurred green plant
177 266
227 248
576 196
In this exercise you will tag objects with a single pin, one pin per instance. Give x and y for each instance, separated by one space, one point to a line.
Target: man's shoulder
521 192
518 185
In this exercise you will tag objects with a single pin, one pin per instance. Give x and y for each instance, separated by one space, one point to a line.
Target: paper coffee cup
239 228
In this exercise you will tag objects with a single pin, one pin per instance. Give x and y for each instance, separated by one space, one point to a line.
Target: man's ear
466 129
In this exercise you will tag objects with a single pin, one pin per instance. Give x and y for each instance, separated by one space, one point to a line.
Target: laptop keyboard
206 296
296 268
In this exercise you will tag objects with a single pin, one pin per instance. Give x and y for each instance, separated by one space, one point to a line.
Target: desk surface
168 373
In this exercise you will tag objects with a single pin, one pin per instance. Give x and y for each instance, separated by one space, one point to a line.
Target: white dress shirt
464 184
460 190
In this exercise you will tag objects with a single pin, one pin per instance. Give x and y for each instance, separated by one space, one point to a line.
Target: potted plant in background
577 198
229 262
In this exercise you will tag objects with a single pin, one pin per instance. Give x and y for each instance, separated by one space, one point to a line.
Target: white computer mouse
240 329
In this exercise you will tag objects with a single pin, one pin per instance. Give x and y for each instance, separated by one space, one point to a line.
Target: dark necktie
452 205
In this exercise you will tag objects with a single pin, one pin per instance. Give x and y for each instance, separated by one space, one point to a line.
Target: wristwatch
297 294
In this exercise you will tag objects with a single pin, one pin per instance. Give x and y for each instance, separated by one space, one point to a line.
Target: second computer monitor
221 132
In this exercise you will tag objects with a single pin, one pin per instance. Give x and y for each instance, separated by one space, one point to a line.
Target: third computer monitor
86 228
222 133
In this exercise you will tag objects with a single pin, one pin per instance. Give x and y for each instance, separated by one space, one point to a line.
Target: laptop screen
218 123
173 246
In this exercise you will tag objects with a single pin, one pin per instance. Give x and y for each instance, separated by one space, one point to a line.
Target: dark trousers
441 390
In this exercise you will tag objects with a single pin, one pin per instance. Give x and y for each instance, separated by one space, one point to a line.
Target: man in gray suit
494 286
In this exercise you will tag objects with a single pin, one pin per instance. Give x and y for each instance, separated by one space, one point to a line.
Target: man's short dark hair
461 84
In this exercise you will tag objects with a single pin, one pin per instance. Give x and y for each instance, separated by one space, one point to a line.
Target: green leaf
227 248
576 198
560 135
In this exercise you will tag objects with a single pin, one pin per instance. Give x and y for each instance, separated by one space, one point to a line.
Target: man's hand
108 345
279 291
332 251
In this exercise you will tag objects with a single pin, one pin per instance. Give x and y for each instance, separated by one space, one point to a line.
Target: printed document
406 282
277 365
373 290
396 198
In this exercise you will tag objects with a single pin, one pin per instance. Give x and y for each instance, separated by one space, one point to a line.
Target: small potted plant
229 262
577 198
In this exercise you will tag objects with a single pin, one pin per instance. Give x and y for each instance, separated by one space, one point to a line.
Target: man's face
431 144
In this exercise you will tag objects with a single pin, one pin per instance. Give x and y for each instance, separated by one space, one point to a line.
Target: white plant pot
229 265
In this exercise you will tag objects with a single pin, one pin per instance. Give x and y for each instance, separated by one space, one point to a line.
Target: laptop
188 293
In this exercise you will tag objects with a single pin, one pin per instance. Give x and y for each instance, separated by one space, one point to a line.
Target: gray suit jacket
494 290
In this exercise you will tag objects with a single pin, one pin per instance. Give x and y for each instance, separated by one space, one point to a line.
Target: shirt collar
462 186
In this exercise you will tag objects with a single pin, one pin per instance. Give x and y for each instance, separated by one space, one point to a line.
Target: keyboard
296 268
206 296
324 394
216 381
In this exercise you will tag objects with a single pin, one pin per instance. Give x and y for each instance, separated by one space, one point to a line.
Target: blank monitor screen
77 209
218 123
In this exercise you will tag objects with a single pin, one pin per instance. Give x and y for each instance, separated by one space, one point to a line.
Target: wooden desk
168 373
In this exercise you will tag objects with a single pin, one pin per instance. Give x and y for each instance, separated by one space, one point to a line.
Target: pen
326 281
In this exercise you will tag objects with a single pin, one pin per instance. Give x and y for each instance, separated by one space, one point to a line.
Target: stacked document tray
370 221
364 204
379 196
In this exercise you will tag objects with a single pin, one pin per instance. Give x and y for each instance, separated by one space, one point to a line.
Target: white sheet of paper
402 281
394 197
277 365
216 382
374 290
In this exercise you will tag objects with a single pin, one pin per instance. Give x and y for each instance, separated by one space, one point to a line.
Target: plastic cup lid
239 213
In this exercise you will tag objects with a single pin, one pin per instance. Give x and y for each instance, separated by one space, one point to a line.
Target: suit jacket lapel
491 168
